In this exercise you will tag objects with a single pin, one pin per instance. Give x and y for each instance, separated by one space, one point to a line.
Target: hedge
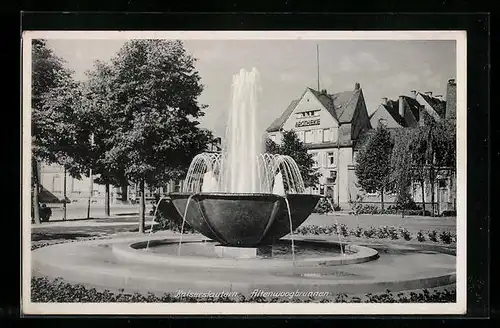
44 290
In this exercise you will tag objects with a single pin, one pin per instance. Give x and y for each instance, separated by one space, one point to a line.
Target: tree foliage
292 146
141 109
154 91
373 166
54 97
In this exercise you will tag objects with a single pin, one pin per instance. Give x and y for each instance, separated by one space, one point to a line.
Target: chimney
451 99
413 94
401 106
421 111
429 93
384 101
357 86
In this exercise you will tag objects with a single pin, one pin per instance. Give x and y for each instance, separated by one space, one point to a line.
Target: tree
422 154
154 108
96 117
52 98
402 167
373 166
293 147
434 152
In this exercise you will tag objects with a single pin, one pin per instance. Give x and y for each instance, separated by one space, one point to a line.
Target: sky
386 68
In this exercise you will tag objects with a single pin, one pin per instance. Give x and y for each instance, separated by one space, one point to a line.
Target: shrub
432 235
324 206
417 213
344 231
369 233
358 232
405 234
369 209
356 204
404 201
393 233
449 213
44 290
446 237
382 232
420 236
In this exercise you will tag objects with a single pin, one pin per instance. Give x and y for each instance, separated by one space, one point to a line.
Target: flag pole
317 62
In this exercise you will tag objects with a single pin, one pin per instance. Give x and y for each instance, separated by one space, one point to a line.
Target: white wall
309 102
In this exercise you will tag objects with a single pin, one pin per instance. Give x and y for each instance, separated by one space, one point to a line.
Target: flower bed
383 232
44 290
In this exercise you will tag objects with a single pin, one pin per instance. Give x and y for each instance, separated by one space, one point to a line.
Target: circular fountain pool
281 250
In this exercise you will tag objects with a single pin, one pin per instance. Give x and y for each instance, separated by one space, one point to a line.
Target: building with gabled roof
335 126
329 124
406 112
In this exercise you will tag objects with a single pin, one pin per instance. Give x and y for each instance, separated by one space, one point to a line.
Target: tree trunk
142 208
382 198
433 201
454 190
91 191
64 197
433 185
124 188
36 209
106 200
422 183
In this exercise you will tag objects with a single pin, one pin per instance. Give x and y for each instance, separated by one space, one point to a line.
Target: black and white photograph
293 172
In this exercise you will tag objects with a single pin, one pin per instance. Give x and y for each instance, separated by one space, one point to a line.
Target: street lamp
65 162
91 182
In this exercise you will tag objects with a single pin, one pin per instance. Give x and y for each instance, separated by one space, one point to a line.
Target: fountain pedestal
236 252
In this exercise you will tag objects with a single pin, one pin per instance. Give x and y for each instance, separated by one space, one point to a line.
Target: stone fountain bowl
242 220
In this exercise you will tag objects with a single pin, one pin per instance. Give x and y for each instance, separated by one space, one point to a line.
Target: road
79 211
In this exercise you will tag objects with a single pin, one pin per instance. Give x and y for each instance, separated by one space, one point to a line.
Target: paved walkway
91 223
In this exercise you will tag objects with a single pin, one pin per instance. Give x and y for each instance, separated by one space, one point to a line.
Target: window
321 189
278 138
75 185
334 134
315 157
56 183
309 136
319 136
354 156
330 159
327 137
300 134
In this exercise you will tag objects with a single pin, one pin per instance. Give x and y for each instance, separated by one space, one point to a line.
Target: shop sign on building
307 123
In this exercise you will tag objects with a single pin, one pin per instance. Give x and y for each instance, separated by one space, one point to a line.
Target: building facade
334 127
54 180
329 125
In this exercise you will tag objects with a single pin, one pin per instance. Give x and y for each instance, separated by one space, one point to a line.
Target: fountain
242 197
